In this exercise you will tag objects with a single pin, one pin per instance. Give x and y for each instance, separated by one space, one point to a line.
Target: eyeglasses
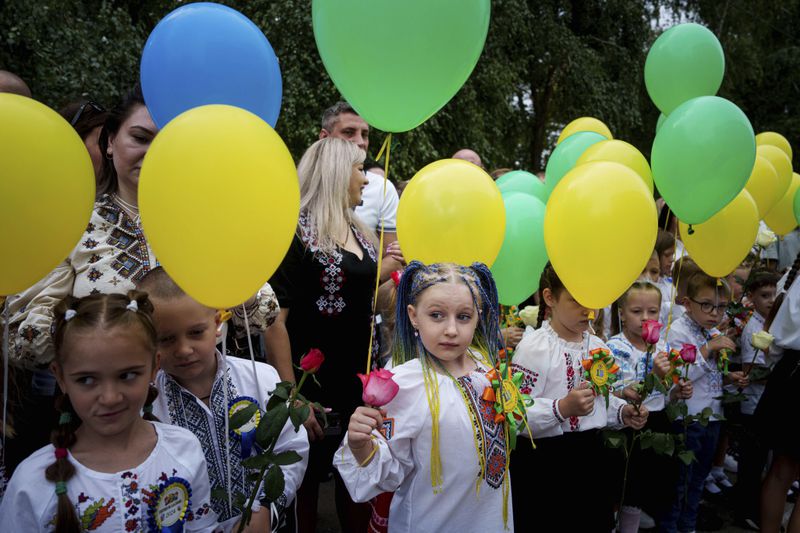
97 107
710 308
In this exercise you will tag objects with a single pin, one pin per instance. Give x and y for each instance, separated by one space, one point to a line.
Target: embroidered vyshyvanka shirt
178 406
633 367
552 368
402 461
111 257
111 502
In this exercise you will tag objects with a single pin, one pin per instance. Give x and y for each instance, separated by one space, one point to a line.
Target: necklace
130 209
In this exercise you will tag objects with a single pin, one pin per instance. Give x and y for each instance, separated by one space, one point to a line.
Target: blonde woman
325 287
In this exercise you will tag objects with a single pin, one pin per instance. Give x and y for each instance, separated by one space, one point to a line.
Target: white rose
765 237
529 315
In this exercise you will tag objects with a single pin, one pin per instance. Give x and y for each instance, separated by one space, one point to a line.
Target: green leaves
686 457
274 484
243 416
298 415
271 425
615 439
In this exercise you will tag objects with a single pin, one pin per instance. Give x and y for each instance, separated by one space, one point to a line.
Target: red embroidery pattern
573 420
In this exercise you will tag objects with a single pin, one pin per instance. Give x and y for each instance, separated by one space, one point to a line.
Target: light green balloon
702 157
796 206
521 181
661 118
423 53
685 62
566 154
522 258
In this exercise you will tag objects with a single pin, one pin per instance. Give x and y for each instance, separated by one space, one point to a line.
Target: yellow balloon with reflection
585 124
763 186
219 200
782 164
451 211
775 139
619 152
600 227
781 218
721 243
47 191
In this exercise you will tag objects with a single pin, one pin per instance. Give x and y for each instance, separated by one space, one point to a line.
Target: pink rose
379 387
651 329
688 353
312 361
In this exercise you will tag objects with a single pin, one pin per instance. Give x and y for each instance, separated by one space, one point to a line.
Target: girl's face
445 317
666 261
129 145
106 374
653 269
566 312
639 305
358 180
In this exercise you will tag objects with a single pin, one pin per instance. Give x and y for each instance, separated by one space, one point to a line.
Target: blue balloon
207 53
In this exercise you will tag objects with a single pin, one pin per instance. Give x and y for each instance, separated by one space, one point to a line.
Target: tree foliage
545 63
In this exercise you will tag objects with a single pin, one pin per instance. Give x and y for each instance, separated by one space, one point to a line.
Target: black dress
329 298
777 410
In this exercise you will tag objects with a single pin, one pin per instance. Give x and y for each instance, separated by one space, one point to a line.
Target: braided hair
75 315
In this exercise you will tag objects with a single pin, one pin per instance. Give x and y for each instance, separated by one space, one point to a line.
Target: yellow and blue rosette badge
170 506
600 370
247 432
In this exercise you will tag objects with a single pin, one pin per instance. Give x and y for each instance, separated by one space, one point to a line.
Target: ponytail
62 470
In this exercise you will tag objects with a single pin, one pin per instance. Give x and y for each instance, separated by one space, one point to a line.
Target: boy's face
763 298
187 337
707 307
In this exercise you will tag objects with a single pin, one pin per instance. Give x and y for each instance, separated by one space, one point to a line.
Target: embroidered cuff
557 413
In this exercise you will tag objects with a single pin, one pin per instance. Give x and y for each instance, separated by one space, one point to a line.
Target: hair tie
69 314
65 418
148 409
133 305
61 487
61 453
396 277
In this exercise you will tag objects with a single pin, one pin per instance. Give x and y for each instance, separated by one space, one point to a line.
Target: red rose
379 387
689 353
312 361
651 329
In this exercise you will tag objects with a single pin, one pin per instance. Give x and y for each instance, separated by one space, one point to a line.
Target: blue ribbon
248 436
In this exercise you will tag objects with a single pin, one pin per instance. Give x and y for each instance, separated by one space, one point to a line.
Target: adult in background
469 155
342 121
11 83
325 287
88 117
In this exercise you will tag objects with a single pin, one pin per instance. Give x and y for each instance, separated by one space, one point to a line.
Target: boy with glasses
705 303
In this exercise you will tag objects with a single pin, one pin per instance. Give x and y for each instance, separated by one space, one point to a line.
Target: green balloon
566 154
702 157
522 258
796 206
661 118
521 181
423 53
685 62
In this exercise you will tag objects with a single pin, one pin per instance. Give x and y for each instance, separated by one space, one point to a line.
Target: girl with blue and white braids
440 444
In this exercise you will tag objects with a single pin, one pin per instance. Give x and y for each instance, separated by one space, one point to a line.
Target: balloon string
6 350
674 285
387 146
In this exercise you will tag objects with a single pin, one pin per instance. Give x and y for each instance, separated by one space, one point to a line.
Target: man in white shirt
342 121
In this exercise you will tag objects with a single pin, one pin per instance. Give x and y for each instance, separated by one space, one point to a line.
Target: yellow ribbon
387 146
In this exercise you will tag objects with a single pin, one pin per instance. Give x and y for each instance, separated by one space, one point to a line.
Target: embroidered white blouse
111 257
551 368
178 406
402 461
110 503
706 377
633 367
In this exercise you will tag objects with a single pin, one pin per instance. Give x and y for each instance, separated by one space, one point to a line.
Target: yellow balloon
585 124
451 211
782 164
600 227
219 199
47 190
775 139
719 244
763 186
781 218
619 152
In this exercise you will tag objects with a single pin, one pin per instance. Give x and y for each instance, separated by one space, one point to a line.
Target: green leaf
299 415
663 444
646 439
660 386
272 424
273 401
274 484
282 390
258 461
686 457
615 439
673 411
243 416
287 458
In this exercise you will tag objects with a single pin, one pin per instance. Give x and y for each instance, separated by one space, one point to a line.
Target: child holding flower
447 340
